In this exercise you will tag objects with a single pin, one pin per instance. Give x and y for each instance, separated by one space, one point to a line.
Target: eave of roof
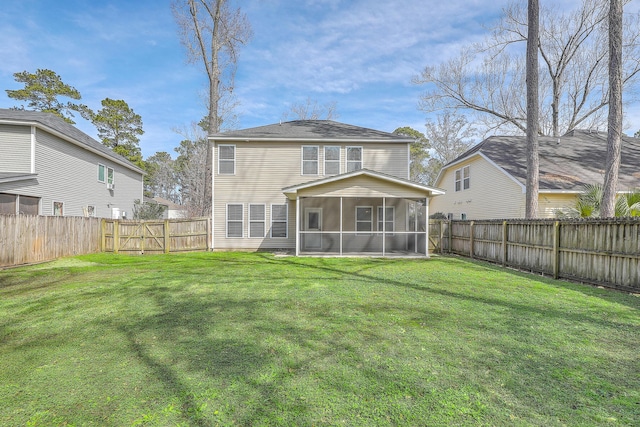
16 176
431 191
322 131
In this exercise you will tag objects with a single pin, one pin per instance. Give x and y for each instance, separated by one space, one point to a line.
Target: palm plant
588 204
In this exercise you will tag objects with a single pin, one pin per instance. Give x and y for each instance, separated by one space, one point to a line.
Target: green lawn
243 339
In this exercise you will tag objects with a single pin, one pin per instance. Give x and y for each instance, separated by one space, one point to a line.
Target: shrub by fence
156 236
26 239
601 252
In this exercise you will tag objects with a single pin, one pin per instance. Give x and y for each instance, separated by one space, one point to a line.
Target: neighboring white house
172 210
317 187
49 167
489 180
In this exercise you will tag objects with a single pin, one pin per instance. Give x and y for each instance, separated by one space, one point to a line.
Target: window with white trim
257 220
101 173
279 221
354 158
463 216
58 209
364 219
235 220
226 159
331 159
91 211
110 176
310 160
462 180
389 219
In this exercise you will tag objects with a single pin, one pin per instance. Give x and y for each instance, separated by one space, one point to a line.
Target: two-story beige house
317 187
489 180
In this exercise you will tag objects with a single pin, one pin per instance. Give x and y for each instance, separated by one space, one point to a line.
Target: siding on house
68 173
264 168
487 183
15 146
548 203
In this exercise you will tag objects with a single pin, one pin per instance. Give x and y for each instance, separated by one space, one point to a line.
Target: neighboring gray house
317 187
488 181
49 167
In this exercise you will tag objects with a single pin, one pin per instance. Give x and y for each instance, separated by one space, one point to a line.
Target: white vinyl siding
279 221
354 159
310 160
227 159
331 159
257 217
15 146
235 220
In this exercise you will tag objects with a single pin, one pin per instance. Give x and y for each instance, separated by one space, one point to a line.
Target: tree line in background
485 82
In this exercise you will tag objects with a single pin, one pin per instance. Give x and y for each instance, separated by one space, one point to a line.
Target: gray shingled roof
310 130
566 163
55 123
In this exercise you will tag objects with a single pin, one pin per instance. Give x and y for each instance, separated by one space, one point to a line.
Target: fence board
27 239
140 237
602 252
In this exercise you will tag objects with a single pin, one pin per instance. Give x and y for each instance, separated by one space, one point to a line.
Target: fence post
116 236
167 240
504 243
441 237
450 236
471 239
556 249
103 237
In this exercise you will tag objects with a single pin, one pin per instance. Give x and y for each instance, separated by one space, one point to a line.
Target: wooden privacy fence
26 239
601 252
155 236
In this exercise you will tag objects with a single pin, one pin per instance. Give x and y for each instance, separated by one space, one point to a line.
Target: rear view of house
49 167
317 187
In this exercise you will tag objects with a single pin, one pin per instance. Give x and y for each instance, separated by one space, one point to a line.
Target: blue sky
360 54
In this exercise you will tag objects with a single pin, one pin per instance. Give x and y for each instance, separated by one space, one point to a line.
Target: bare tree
311 110
614 134
212 34
533 164
489 79
190 167
450 135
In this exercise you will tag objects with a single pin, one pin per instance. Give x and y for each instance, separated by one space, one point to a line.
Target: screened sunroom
362 213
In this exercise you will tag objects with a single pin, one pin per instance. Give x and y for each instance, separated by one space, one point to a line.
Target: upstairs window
354 158
310 160
101 173
331 160
226 159
462 179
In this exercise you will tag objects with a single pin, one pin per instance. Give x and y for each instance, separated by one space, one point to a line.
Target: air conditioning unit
111 186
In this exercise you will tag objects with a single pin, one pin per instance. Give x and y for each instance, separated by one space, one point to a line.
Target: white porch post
426 226
340 225
415 227
384 223
297 225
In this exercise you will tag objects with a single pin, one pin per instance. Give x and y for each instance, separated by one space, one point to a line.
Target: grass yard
249 339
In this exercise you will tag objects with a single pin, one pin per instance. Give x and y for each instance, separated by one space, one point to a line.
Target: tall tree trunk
614 133
533 38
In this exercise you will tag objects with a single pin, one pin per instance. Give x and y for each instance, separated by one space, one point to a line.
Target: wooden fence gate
156 236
